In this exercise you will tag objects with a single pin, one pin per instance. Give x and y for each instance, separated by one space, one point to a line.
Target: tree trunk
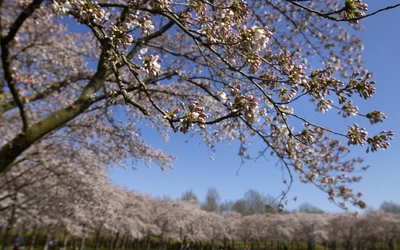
83 241
310 245
160 242
65 239
137 244
124 242
97 239
115 245
333 245
148 241
73 242
121 243
33 238
1 233
111 241
10 223
46 244
391 244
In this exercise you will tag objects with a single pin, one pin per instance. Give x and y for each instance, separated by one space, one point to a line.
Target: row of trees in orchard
82 207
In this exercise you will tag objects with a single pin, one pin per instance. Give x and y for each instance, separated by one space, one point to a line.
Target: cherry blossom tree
232 228
382 227
333 231
312 228
46 190
214 228
225 70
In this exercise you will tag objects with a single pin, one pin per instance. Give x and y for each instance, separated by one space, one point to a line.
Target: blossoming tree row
80 206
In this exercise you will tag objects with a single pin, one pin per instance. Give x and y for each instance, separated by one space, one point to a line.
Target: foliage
224 70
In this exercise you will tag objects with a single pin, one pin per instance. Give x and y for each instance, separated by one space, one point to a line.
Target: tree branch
6 60
20 20
10 151
328 15
37 96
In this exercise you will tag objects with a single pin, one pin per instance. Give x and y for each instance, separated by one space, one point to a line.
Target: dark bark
46 244
33 239
310 245
97 239
148 241
391 244
65 239
115 245
10 223
83 241
110 241
73 242
137 244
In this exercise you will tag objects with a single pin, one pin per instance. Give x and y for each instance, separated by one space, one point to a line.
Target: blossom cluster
252 41
380 140
255 38
246 103
357 135
220 21
354 9
87 11
151 63
193 114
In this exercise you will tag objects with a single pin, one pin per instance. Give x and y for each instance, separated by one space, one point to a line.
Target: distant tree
189 195
164 197
272 204
226 206
240 207
212 201
390 207
310 209
255 202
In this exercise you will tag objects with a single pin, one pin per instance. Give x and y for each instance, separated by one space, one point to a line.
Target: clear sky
195 170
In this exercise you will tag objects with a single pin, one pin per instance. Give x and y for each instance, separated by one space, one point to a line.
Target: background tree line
84 208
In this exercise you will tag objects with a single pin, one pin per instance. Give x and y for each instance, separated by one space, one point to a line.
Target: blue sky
195 170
